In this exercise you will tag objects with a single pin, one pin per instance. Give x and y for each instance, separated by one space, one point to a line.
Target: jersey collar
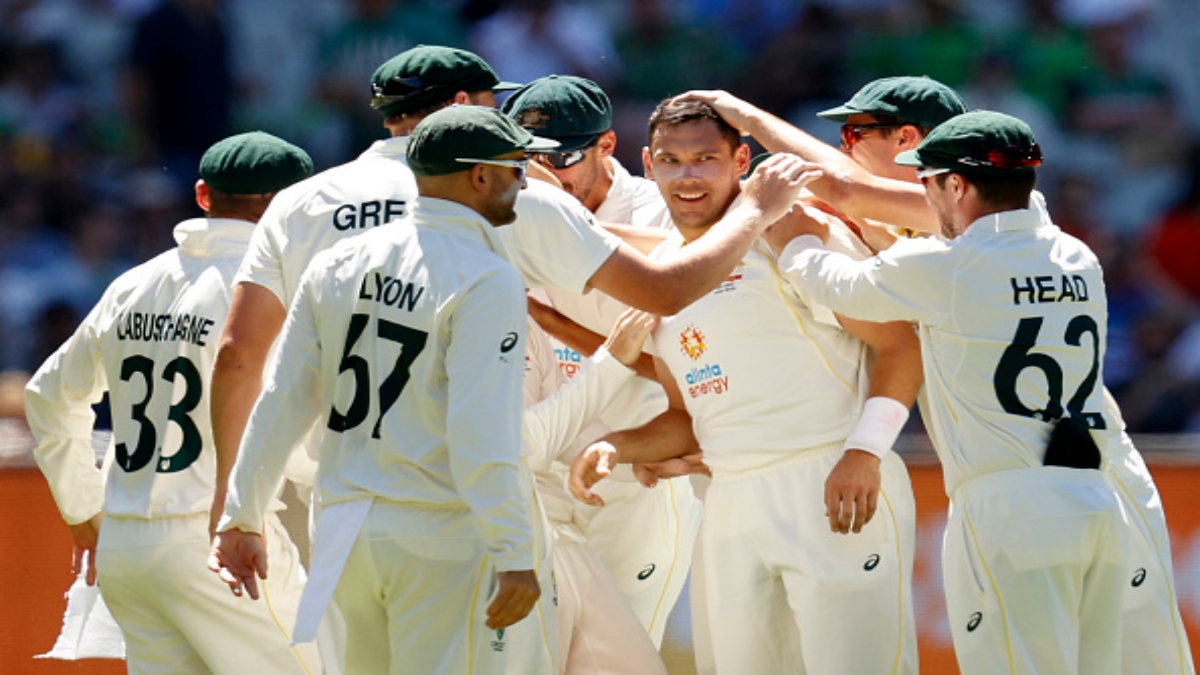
1007 221
455 218
395 147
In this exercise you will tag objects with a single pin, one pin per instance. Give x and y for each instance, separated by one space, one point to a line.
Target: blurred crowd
107 105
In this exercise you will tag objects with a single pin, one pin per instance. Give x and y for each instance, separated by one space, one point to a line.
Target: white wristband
880 423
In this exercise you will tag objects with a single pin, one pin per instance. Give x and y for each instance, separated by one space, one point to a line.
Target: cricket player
597 629
650 562
150 342
1012 318
797 438
424 537
1154 640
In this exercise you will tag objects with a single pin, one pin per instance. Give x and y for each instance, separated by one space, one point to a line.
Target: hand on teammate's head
731 108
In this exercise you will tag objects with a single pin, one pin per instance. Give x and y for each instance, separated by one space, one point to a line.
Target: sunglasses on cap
521 165
853 133
1008 157
564 160
395 89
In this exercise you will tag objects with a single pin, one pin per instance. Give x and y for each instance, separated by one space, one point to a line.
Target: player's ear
607 144
909 137
741 159
203 196
647 165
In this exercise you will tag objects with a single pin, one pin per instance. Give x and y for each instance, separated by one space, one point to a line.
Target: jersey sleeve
263 262
911 281
841 240
484 367
555 242
554 422
281 418
58 406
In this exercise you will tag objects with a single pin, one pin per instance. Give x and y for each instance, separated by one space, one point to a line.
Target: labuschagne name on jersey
151 327
368 214
390 291
1049 288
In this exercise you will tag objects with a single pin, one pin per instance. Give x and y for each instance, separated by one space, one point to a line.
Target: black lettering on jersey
1043 289
390 291
368 214
150 327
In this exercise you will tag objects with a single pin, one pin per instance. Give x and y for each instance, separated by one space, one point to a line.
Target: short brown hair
673 113
1008 191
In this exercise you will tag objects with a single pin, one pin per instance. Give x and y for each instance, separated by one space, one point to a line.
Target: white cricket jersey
310 216
407 345
554 241
631 200
1013 325
151 342
763 369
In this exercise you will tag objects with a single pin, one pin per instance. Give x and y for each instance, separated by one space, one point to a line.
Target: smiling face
698 172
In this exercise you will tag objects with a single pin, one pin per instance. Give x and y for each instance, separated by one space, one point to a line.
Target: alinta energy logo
691 342
498 643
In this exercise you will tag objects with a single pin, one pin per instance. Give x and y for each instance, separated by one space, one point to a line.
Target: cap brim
506 86
909 158
838 114
539 144
571 143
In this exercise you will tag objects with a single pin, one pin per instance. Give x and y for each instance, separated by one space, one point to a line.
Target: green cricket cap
425 75
467 132
977 142
920 100
571 110
254 163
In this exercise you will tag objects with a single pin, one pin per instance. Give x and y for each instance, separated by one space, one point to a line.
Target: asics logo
646 572
872 562
1140 577
976 618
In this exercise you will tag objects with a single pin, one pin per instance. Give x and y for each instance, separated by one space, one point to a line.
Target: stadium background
106 105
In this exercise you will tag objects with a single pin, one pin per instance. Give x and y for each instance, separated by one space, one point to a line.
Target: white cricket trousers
784 594
598 632
1153 638
1034 568
650 560
178 617
414 595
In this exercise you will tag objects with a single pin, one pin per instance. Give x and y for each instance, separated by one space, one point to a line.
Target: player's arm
277 422
644 239
845 184
255 318
483 433
58 400
551 423
852 488
668 436
664 287
575 336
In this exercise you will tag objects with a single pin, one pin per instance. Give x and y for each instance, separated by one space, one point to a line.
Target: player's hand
540 172
851 491
238 556
629 334
517 595
649 473
732 109
796 222
775 185
590 467
85 535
